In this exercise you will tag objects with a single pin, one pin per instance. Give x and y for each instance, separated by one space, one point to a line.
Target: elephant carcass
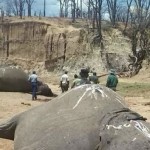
43 89
13 79
89 117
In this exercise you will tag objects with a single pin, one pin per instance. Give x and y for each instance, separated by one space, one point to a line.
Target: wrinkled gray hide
13 79
89 117
43 89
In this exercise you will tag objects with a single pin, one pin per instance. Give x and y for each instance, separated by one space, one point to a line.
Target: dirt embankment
55 44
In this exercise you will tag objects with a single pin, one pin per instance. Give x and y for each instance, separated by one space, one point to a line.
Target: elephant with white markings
88 117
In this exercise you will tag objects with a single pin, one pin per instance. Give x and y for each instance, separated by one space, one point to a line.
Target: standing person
33 81
94 79
112 80
76 81
84 73
64 82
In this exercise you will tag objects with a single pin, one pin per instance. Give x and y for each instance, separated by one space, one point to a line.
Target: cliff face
35 44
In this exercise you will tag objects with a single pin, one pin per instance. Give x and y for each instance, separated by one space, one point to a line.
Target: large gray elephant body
13 79
89 117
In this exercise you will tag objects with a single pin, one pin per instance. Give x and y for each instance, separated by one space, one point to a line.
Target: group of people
84 78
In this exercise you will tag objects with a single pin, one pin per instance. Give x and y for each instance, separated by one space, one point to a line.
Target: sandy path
12 103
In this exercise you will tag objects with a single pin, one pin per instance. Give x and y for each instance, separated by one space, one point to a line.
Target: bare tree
73 3
21 7
61 5
139 19
129 3
121 14
81 2
12 7
96 8
29 4
64 7
44 8
15 6
112 10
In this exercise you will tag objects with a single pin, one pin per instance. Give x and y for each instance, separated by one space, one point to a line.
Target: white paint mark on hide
142 128
96 107
94 89
115 127
118 127
102 92
79 87
80 99
94 93
120 101
134 139
127 125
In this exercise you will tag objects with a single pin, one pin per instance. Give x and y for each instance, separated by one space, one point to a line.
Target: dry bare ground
13 103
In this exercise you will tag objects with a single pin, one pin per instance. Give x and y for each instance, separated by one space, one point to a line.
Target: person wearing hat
33 80
94 79
64 82
112 80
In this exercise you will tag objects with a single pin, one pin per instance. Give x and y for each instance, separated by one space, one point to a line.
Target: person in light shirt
64 82
33 80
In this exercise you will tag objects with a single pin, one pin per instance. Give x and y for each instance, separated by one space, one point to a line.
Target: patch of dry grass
134 89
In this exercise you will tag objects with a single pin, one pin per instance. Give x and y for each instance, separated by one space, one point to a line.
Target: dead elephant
89 117
13 79
43 89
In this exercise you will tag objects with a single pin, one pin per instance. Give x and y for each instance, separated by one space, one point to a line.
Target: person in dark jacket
94 79
112 80
84 74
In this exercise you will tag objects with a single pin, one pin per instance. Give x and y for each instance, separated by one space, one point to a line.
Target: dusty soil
13 103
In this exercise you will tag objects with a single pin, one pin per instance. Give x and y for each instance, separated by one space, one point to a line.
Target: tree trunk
44 8
73 11
29 10
81 8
